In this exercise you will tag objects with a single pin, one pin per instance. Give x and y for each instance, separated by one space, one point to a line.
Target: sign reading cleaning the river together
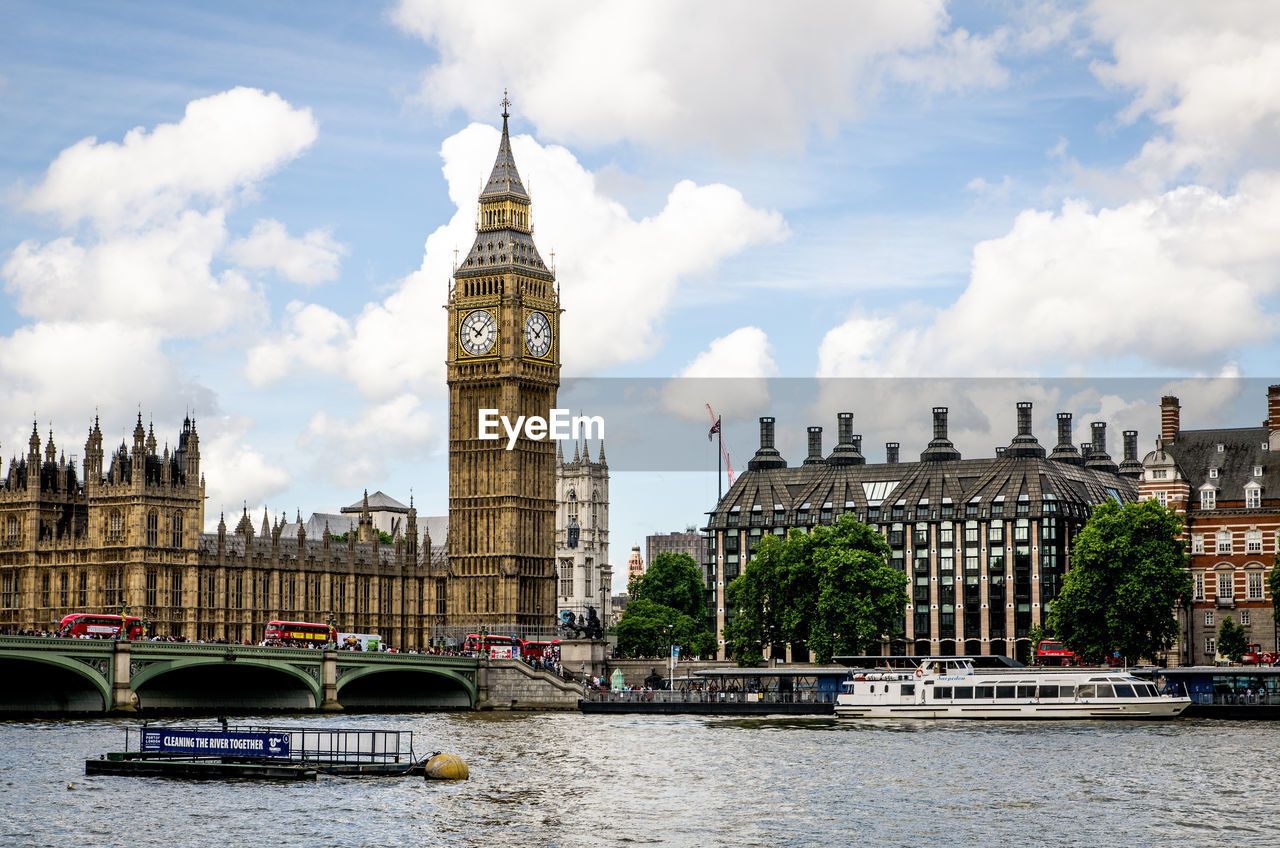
179 741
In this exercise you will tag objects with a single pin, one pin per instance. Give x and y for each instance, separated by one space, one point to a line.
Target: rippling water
564 779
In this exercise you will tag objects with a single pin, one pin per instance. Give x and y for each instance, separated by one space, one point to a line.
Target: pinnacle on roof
504 179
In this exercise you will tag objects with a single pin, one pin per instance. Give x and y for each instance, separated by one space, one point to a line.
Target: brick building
1226 484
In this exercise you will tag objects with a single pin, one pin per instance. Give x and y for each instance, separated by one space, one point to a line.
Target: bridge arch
52 684
213 683
394 687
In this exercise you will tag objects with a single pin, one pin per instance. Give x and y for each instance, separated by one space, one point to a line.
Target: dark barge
259 753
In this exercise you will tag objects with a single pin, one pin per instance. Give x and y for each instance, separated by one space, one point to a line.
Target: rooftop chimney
1273 417
1099 459
767 456
940 449
1064 451
891 452
1169 418
1000 451
848 450
1024 444
1085 449
1129 466
815 447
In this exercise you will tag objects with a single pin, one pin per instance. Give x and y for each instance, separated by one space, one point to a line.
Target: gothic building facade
584 575
128 537
984 542
503 355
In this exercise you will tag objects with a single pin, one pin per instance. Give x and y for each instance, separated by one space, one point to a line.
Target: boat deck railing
1264 699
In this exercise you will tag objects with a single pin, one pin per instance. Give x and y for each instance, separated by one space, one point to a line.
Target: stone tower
585 577
504 355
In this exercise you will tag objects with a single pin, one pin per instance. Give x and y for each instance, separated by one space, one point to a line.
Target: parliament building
125 532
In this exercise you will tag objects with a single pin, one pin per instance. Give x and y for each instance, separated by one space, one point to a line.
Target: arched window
1224 541
595 507
176 529
11 529
573 503
153 527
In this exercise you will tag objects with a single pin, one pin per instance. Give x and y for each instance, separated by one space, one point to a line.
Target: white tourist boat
953 688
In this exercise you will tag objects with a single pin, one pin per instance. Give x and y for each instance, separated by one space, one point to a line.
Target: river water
565 779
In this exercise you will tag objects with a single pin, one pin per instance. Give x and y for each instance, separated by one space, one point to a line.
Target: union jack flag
715 428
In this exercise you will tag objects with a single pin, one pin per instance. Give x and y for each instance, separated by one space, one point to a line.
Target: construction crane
724 449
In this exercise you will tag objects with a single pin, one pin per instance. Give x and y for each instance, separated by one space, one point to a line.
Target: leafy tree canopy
383 537
673 580
832 588
648 629
1232 641
1128 574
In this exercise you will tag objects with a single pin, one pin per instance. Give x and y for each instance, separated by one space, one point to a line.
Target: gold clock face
478 332
537 334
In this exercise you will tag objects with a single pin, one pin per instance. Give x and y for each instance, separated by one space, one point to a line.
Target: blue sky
249 210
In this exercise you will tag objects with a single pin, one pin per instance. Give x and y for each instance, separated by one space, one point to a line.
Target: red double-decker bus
1049 652
300 633
493 647
100 625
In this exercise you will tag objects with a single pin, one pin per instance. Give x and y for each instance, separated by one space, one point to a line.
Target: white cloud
613 270
1208 73
223 145
236 472
399 430
757 74
158 278
314 258
732 374
1176 281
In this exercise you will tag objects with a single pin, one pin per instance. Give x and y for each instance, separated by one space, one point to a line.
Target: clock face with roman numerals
478 332
537 334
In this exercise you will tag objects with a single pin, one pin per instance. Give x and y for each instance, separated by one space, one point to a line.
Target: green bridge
48 675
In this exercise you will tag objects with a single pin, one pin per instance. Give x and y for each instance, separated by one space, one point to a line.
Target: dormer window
1252 495
1159 474
1221 448
1208 497
1257 471
1213 473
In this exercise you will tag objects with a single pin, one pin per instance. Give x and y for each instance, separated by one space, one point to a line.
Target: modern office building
984 542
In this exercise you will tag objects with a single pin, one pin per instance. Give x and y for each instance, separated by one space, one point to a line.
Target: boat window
1087 690
1124 690
908 688
964 692
1005 692
942 693
1066 691
984 692
1026 690
1104 691
1150 690
1050 691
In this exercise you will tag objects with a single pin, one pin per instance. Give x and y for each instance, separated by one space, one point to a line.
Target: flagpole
719 462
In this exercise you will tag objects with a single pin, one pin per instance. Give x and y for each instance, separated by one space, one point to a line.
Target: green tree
673 580
668 606
1273 583
1232 641
384 537
1128 574
831 588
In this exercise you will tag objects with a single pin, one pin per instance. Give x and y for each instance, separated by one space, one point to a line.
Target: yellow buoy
446 767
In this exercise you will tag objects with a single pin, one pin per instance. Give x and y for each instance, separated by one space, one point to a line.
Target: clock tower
503 355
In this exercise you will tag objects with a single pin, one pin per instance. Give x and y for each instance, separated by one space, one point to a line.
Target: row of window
1244 618
1223 542
1226 585
1026 691
896 512
1209 496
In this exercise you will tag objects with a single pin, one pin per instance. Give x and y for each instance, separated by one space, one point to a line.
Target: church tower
504 355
